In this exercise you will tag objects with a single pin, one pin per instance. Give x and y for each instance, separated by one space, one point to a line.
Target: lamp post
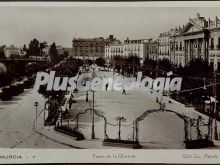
133 64
93 115
36 105
120 119
215 110
44 115
93 103
215 99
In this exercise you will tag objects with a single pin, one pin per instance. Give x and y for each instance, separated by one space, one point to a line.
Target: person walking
71 101
123 91
106 87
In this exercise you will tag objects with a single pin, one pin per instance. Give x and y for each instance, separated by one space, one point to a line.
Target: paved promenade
158 130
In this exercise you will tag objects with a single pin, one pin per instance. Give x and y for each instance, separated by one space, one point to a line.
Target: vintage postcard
129 82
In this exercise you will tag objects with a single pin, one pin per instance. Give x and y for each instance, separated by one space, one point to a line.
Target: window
218 66
212 64
180 45
177 46
218 46
212 43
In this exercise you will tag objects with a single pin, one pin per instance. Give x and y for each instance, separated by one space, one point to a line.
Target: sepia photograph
109 77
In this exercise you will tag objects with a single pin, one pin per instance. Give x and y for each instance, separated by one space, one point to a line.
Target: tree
69 67
42 46
149 67
132 63
100 61
165 65
117 62
24 48
54 57
2 52
34 48
64 55
89 62
198 73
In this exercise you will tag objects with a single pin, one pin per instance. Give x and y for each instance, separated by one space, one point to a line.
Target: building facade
136 47
129 47
114 49
91 47
59 48
13 51
152 49
199 38
164 45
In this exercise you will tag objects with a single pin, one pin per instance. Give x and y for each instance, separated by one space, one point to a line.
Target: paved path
158 130
16 123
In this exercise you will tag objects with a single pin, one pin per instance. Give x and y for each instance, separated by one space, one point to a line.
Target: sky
19 25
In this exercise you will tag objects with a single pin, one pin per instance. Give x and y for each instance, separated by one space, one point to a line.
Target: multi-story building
115 49
199 38
152 49
177 47
13 51
91 47
129 47
59 48
164 45
135 47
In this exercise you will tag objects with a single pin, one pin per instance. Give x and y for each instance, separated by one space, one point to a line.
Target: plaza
159 130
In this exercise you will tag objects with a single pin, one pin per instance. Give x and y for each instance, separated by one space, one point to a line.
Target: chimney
198 15
111 37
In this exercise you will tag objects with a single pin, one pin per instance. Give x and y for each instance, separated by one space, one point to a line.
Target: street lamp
93 103
215 98
215 110
36 105
93 115
120 119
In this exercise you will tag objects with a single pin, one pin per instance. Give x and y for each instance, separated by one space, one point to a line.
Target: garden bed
200 143
113 142
70 132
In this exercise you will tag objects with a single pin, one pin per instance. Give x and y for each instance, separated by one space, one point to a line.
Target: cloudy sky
19 25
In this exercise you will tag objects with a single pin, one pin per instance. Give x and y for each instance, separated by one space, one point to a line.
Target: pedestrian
71 101
123 91
106 87
157 100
